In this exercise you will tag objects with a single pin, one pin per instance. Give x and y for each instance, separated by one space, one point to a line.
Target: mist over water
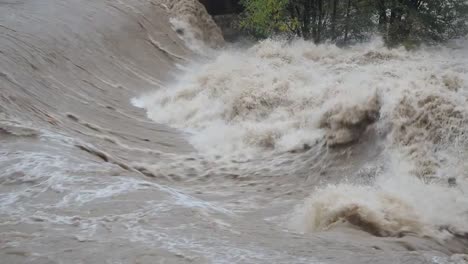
131 133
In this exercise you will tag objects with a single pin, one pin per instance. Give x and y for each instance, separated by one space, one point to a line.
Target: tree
263 18
417 21
347 21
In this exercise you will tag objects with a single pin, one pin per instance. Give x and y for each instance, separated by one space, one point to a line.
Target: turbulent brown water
130 133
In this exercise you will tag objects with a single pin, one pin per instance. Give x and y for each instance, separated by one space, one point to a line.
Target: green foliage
264 17
425 21
407 22
439 20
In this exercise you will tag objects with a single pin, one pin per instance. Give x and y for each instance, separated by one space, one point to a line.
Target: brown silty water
131 133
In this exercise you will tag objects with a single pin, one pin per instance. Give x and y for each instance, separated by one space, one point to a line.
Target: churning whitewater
278 97
130 132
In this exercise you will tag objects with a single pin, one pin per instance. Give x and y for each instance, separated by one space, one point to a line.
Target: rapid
130 132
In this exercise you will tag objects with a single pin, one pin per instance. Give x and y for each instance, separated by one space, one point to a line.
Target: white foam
278 96
273 95
395 204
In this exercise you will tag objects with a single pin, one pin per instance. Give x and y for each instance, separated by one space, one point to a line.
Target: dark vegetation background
399 22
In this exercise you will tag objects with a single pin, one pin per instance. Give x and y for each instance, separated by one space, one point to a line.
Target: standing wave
280 96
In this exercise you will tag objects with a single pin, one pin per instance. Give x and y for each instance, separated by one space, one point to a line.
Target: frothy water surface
406 107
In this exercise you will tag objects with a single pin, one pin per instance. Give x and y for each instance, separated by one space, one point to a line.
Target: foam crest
280 96
396 205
